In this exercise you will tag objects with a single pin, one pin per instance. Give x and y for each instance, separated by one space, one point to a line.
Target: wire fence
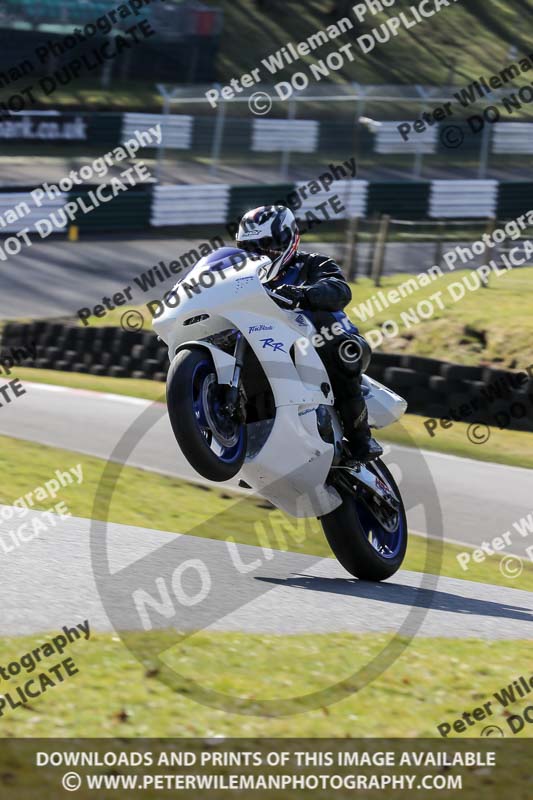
382 246
352 118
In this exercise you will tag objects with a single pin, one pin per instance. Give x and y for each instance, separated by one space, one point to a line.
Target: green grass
113 318
504 447
130 387
87 93
492 326
434 681
488 326
471 39
113 695
514 448
154 501
474 36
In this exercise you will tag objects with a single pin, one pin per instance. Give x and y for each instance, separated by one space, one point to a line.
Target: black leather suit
326 293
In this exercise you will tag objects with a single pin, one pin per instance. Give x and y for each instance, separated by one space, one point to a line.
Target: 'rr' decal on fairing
274 345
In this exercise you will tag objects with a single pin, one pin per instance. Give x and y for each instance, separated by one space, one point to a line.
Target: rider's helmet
270 231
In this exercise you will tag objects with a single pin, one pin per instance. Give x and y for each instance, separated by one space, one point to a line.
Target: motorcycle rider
314 284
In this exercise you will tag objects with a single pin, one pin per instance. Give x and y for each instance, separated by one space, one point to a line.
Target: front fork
232 395
369 483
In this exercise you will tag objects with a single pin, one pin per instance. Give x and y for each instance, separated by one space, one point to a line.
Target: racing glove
296 295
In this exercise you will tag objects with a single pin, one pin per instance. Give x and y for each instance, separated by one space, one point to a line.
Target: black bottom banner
265 768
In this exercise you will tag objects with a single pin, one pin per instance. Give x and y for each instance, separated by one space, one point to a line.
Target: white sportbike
248 395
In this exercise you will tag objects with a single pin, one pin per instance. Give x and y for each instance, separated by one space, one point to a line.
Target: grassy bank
480 36
457 45
113 695
492 325
129 387
153 501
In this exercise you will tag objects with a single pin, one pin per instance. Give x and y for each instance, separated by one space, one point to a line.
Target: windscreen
224 258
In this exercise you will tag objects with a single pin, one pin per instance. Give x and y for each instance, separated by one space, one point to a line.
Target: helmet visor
264 246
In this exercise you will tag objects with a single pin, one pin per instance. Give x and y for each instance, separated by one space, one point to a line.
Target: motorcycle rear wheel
361 543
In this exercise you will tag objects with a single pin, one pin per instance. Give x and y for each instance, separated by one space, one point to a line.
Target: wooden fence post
351 249
379 254
491 225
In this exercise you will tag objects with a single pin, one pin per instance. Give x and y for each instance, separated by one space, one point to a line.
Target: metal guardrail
183 205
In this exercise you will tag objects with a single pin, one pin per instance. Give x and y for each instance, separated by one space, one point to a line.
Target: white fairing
384 406
291 467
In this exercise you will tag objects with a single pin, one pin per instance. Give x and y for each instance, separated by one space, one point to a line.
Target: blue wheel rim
228 455
387 544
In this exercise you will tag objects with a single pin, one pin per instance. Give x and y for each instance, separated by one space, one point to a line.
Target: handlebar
278 297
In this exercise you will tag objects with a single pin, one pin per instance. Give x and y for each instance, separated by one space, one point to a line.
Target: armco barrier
18 210
513 137
514 199
460 199
127 211
237 137
187 204
242 198
352 196
400 200
274 135
176 129
389 141
337 137
433 388
270 133
182 205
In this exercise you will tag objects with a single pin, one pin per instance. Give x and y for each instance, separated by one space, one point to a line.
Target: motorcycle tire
192 409
348 528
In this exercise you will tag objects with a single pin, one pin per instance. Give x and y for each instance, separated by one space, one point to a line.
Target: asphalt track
478 500
285 593
182 168
55 278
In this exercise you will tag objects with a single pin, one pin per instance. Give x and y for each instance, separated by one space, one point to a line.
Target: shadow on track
398 594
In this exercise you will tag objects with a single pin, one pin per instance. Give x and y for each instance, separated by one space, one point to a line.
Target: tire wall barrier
433 388
95 351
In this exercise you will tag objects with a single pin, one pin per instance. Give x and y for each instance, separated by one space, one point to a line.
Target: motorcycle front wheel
213 443
370 544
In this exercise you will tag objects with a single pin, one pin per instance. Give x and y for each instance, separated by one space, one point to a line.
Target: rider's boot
362 446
